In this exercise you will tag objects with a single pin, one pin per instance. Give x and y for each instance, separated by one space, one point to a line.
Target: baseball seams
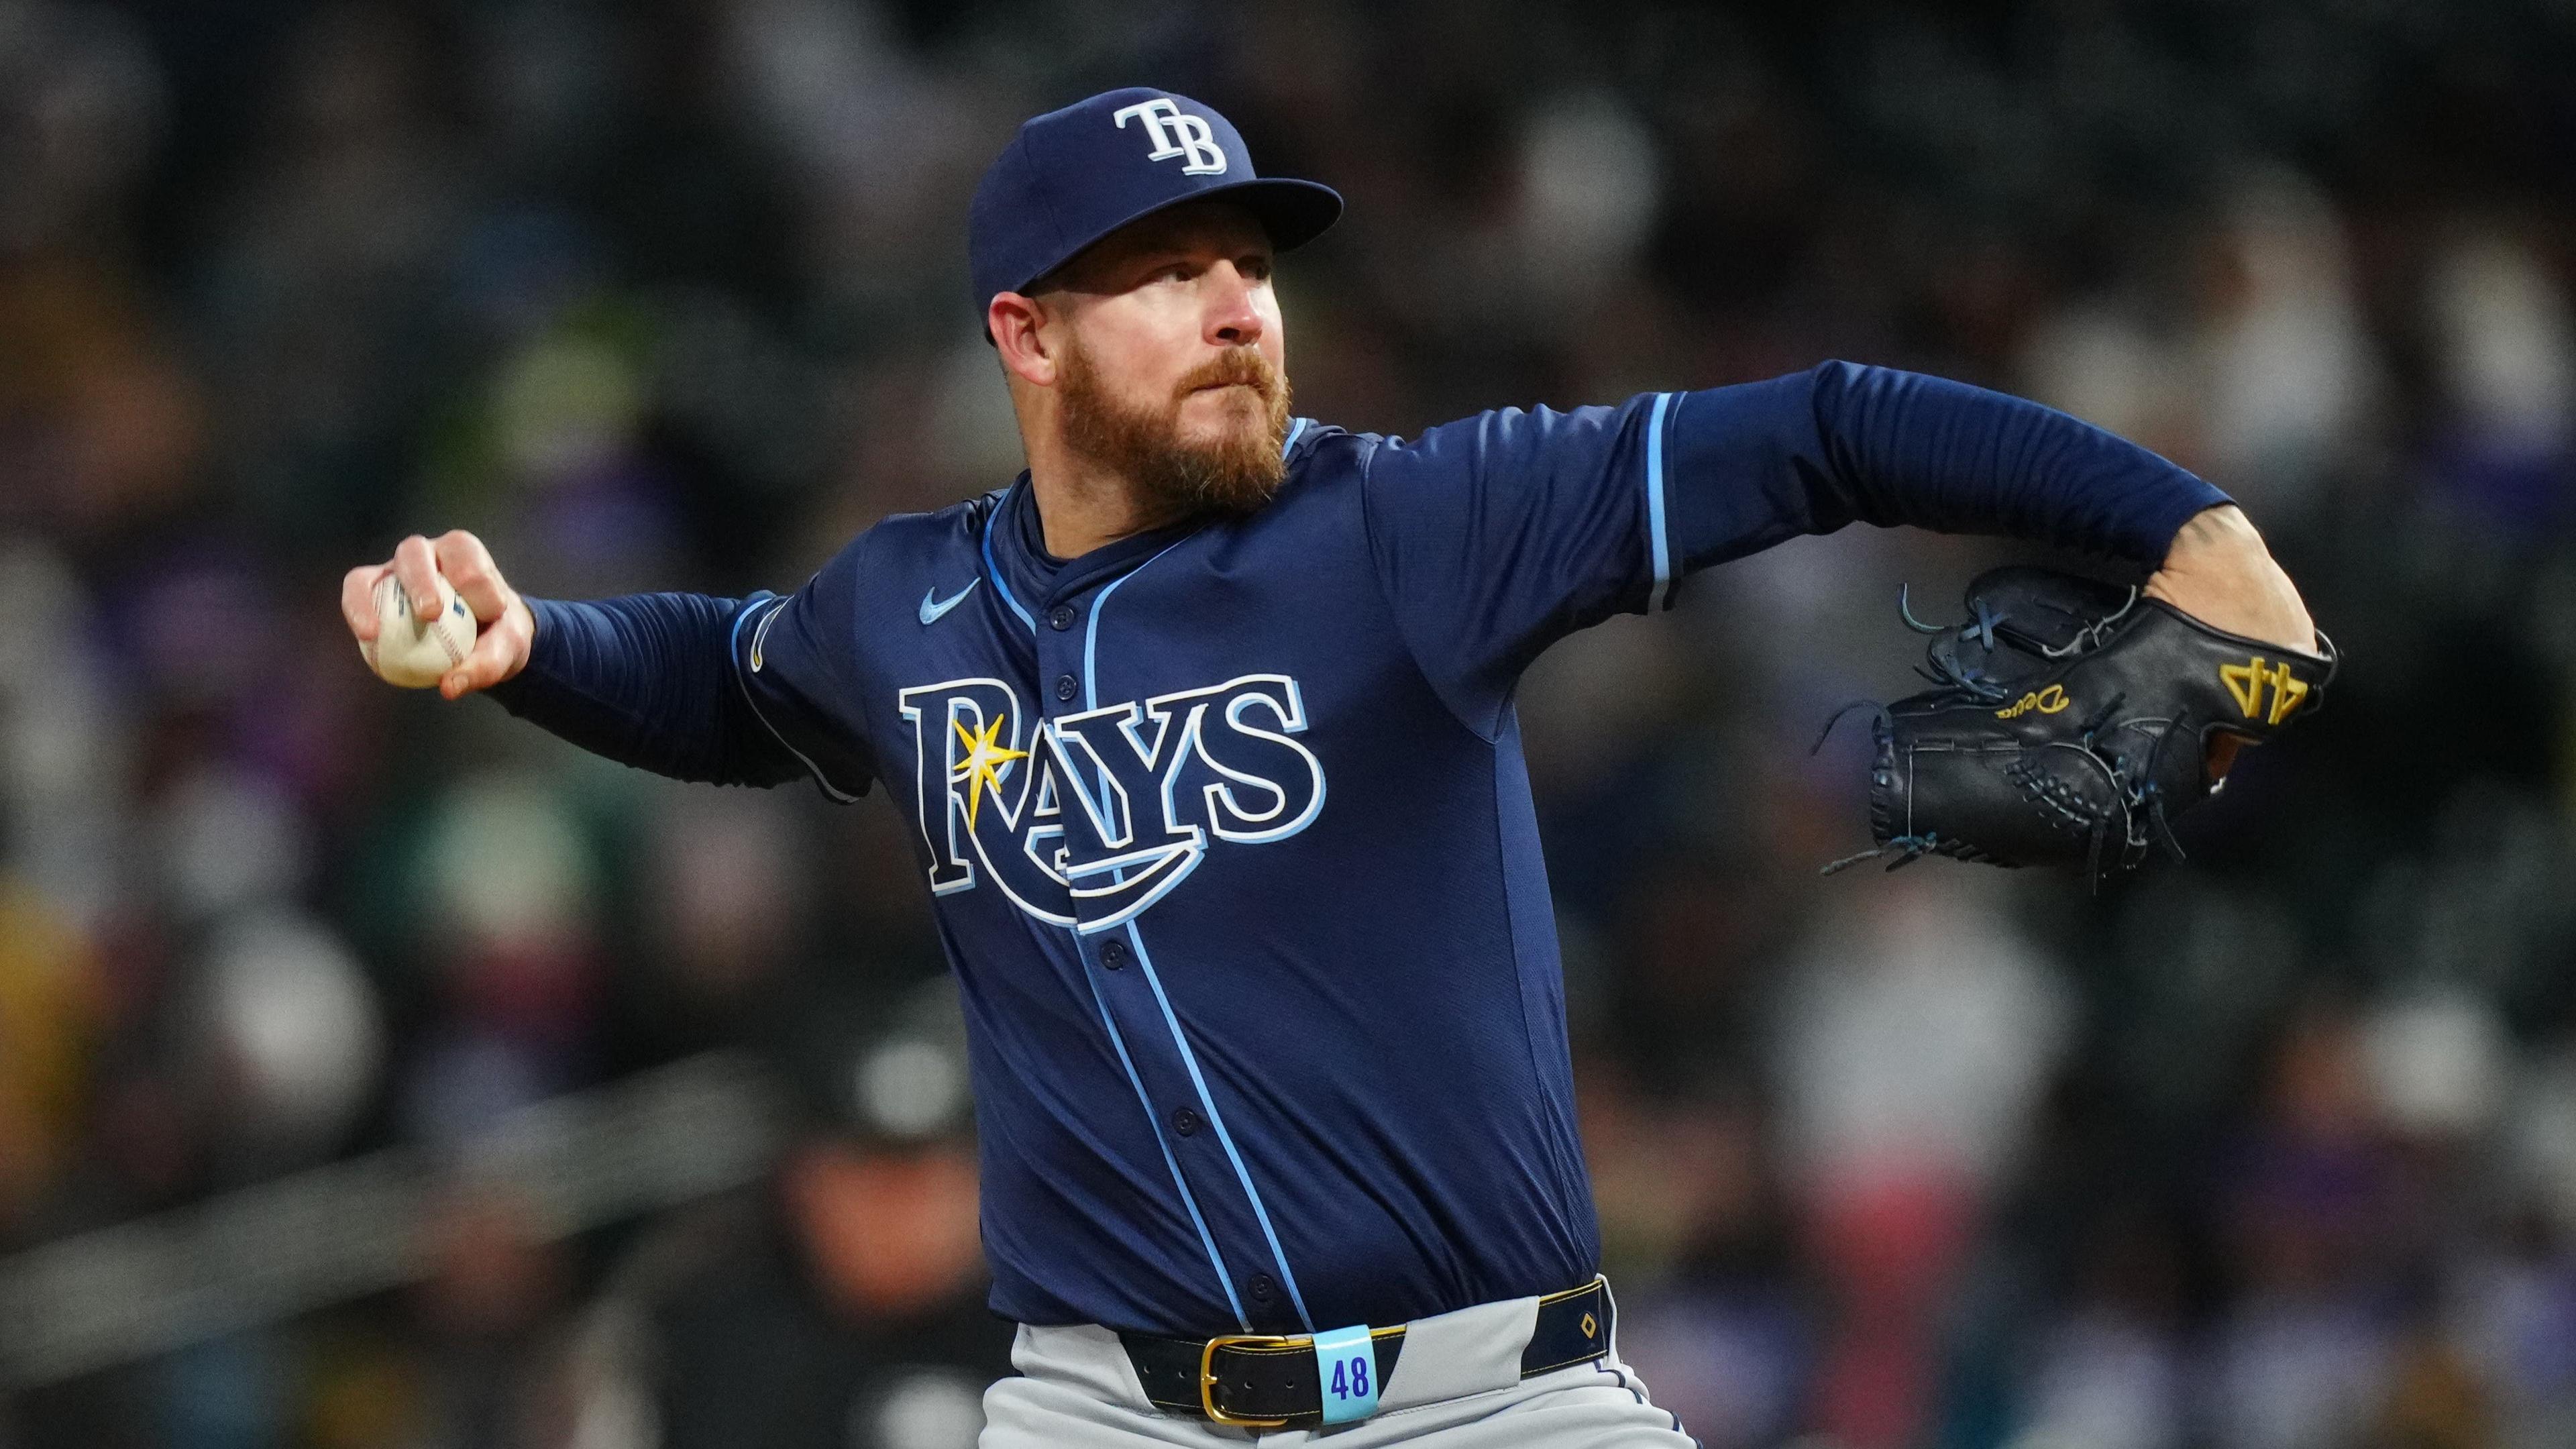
446 640
413 653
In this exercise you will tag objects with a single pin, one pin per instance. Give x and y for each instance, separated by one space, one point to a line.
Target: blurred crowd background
2272 1150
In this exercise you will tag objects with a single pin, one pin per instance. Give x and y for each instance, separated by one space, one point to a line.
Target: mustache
1236 365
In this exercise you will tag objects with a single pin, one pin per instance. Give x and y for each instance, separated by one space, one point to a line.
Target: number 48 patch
1346 1366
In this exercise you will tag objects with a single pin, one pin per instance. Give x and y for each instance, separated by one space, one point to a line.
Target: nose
1232 320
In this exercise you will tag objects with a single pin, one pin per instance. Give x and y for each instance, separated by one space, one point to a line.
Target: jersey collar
1027 571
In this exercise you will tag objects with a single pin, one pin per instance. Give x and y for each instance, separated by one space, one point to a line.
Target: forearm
1843 443
646 680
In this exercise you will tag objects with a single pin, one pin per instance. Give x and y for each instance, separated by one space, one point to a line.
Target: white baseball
412 654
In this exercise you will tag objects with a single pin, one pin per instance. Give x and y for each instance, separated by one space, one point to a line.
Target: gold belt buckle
1207 1376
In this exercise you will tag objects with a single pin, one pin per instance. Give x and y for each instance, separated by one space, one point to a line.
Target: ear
1017 323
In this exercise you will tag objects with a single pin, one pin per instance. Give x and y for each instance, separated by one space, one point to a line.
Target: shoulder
959 526
1321 449
894 549
1465 448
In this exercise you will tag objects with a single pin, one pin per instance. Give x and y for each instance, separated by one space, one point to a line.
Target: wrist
2217 533
2219 572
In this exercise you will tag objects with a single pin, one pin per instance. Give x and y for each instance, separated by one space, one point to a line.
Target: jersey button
1185 1121
1262 1287
1113 954
1066 688
1061 616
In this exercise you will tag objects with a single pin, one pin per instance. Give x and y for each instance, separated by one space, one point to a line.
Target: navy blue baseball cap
1073 176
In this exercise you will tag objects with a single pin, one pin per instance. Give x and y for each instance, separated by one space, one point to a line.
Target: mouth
1234 397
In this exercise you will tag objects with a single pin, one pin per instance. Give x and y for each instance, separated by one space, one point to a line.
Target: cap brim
1292 212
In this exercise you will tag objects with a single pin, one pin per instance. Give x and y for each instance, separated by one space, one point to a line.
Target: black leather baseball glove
2069 722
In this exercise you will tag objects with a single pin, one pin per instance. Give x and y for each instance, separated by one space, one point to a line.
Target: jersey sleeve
790 667
1499 534
1496 535
724 691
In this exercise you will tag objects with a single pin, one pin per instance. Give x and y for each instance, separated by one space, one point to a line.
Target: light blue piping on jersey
1217 1120
1091 630
1661 544
1091 634
733 656
1091 684
1002 588
1295 431
1154 1124
1145 962
1207 1240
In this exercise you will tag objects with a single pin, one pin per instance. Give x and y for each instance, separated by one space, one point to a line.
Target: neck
1083 506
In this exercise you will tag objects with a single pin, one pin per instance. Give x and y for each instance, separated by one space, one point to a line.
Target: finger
498 652
468 566
417 567
358 599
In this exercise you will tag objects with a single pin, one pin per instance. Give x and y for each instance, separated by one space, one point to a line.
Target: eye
1254 267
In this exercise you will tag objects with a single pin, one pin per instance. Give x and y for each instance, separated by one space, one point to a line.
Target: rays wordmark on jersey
1087 819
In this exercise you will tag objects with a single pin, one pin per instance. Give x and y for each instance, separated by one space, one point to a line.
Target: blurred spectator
840 1304
47 1022
1917 1037
2110 1371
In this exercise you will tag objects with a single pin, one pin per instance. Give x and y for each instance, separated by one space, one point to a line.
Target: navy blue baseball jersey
1226 828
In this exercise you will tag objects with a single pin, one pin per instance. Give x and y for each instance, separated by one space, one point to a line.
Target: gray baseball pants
1457 1386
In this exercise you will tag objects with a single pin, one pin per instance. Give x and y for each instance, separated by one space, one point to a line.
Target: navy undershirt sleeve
1749 466
726 691
1496 535
646 680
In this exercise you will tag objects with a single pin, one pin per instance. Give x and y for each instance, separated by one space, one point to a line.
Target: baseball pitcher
1204 729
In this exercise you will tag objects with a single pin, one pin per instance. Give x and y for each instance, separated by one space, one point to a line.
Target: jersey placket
1127 980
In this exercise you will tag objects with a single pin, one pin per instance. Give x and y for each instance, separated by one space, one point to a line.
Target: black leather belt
1265 1381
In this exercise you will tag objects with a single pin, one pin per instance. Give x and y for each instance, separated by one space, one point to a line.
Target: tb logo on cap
1163 120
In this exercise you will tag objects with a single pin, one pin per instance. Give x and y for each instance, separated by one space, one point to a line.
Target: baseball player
1204 726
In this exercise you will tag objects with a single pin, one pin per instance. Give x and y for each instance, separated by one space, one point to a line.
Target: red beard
1237 473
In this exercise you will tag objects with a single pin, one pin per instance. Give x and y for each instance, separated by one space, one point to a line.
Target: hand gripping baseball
505 629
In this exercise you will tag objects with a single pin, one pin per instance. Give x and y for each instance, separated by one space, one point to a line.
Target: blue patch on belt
1346 1367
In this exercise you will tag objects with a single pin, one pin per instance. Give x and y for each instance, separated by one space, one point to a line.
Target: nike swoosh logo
932 606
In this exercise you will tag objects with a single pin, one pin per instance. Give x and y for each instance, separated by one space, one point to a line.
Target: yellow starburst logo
985 757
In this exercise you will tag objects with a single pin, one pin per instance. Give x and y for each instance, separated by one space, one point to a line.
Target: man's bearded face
1233 470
